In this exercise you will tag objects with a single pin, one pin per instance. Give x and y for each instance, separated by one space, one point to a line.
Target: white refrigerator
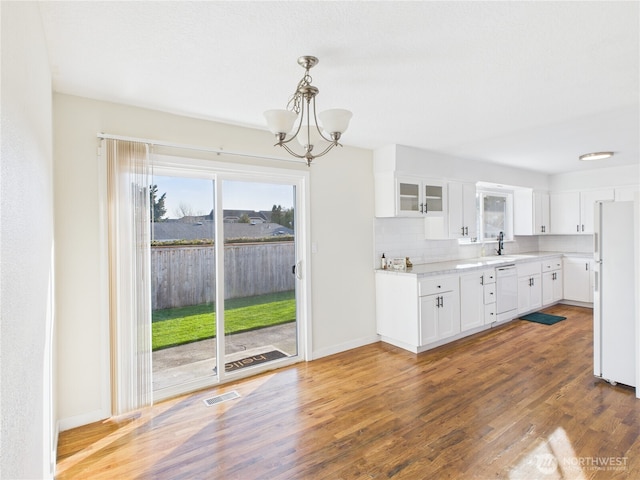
614 301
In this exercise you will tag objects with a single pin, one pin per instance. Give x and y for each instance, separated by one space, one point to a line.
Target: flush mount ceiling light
595 156
301 108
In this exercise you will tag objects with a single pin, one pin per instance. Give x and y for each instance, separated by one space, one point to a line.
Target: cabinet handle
442 301
481 279
578 228
425 208
583 228
586 266
466 231
462 231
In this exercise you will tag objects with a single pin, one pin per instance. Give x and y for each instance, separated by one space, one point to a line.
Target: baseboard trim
80 420
576 304
343 347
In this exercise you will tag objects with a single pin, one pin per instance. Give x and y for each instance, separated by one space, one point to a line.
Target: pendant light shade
280 120
335 120
313 138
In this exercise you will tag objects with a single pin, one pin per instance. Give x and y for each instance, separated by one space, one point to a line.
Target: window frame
481 193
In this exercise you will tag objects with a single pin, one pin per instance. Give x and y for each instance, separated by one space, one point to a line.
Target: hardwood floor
518 401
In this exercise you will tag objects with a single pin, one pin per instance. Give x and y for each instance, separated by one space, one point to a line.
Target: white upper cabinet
572 212
462 210
588 200
413 196
565 212
531 212
541 213
626 193
417 196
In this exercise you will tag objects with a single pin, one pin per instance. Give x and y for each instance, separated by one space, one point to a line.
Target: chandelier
301 108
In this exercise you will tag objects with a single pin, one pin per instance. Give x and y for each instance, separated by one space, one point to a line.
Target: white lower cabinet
419 312
552 286
477 299
439 317
413 312
578 284
439 308
529 287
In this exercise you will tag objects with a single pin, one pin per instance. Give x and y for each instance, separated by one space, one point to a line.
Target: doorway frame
169 165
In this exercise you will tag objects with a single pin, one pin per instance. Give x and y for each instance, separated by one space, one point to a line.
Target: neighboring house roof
181 230
252 214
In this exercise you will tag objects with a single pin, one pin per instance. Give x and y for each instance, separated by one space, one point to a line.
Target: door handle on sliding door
296 270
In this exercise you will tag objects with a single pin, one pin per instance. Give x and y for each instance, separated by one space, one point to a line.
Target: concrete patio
175 365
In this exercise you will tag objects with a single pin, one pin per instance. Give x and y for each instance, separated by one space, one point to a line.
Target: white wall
341 191
437 165
596 178
26 248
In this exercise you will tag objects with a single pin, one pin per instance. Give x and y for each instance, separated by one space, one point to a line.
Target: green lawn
177 326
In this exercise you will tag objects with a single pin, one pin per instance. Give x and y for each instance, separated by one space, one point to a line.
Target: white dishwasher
506 292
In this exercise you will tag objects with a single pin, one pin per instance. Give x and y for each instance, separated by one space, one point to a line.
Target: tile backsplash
404 237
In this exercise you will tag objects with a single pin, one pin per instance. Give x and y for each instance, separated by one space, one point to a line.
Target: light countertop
470 264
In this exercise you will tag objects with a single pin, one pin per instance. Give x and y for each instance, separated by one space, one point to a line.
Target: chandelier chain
295 101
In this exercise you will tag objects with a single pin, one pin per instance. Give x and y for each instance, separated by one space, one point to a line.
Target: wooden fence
185 275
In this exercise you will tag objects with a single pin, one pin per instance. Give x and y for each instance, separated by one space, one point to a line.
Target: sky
196 195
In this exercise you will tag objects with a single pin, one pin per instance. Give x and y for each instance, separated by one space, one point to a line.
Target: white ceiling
530 84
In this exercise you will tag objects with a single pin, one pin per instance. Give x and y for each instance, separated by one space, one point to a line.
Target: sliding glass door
226 276
259 271
182 280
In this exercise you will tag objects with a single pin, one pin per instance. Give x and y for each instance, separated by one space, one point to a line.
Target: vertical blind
128 181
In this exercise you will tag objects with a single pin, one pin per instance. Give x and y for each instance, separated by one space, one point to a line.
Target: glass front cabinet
420 197
426 198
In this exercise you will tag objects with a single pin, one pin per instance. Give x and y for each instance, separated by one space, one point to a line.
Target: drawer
488 276
433 285
551 265
526 269
490 314
489 293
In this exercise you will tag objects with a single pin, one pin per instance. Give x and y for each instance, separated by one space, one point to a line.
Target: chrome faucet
500 243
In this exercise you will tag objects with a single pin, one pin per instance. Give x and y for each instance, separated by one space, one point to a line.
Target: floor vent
221 398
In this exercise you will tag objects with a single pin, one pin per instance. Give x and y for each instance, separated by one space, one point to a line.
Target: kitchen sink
498 259
506 258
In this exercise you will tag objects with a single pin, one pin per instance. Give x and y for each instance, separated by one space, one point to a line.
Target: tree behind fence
185 275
